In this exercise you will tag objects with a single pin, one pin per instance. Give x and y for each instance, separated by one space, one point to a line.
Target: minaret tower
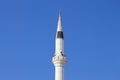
59 60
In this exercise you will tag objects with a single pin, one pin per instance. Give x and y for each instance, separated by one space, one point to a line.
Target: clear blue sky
92 39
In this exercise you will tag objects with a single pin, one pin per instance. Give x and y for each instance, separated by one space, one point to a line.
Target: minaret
59 60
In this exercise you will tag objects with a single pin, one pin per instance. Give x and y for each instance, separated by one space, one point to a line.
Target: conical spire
59 28
59 23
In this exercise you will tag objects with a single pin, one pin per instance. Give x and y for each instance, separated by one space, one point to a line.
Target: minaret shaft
59 73
59 46
59 60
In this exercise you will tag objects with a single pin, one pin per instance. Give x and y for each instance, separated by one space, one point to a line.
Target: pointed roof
59 28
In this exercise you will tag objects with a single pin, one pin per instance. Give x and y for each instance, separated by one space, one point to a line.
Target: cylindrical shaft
59 73
59 45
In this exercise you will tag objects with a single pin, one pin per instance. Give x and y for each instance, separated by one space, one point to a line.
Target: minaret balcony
59 60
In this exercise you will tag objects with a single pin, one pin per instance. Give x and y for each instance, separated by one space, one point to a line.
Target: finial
59 12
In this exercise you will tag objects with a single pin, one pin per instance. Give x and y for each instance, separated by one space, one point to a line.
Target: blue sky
92 39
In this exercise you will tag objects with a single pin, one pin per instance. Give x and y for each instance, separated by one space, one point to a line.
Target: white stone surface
59 60
59 28
59 46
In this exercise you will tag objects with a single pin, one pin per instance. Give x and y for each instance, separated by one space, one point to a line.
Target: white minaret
59 60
